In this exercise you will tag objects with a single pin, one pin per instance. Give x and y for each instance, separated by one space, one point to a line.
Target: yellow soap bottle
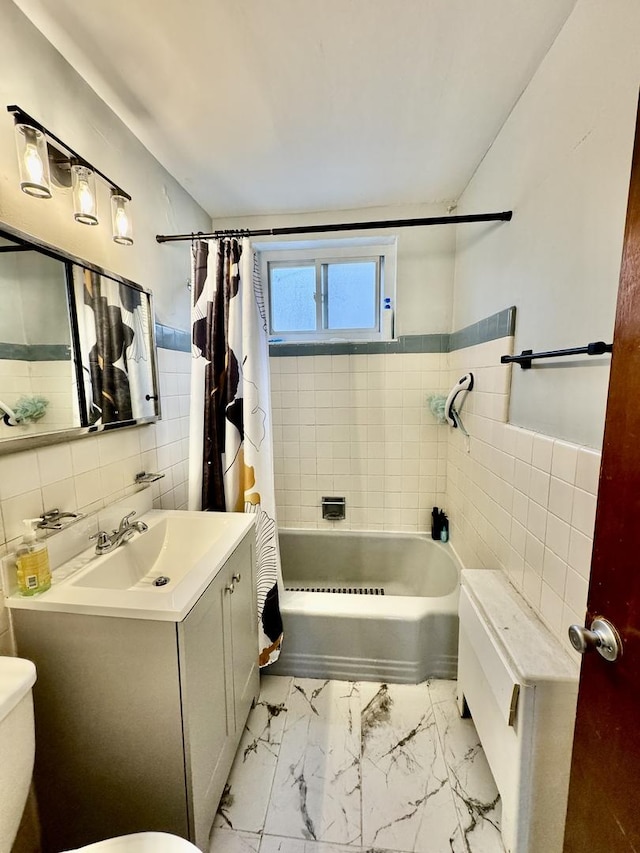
32 560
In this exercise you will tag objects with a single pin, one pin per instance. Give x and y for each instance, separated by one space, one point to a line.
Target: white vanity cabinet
218 662
138 720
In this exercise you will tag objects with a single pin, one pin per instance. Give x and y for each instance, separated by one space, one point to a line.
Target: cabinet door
244 637
207 714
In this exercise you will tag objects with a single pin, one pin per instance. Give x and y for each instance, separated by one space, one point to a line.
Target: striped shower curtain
231 456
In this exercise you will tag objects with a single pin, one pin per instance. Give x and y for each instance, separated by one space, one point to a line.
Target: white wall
34 300
424 262
522 497
562 163
38 79
88 474
359 425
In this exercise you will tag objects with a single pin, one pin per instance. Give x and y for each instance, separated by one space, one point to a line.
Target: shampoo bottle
32 560
444 527
435 523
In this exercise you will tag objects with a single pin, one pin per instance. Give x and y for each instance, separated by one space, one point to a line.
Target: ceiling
270 106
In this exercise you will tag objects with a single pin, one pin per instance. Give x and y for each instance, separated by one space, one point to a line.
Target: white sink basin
185 548
169 548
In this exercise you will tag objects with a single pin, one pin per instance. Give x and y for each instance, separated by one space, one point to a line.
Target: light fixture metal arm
21 116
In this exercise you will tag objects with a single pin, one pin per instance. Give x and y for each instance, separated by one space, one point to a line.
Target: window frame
319 254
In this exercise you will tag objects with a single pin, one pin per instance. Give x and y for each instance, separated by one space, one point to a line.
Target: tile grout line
444 759
275 769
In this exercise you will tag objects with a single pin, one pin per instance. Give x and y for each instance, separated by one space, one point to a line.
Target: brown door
604 795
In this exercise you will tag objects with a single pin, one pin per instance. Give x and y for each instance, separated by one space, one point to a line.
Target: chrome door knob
602 637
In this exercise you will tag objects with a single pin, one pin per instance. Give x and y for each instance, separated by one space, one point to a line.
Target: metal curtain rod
505 216
526 356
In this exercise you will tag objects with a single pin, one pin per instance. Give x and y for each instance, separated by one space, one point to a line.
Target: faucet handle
124 523
103 538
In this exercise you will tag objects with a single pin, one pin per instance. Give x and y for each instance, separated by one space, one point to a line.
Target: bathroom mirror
36 353
77 347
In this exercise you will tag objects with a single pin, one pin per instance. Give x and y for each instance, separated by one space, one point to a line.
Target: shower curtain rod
504 216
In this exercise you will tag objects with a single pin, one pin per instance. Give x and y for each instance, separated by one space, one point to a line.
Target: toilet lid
142 842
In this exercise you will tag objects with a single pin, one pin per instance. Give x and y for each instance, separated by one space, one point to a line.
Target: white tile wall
519 500
14 378
358 426
90 473
49 379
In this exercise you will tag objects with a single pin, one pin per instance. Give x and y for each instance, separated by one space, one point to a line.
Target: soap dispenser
32 560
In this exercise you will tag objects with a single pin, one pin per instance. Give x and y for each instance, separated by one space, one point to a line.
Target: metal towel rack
527 356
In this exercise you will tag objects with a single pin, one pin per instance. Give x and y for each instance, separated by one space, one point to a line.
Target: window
328 290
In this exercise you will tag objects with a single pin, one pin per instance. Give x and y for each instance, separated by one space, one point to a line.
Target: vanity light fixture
121 218
33 161
37 146
83 183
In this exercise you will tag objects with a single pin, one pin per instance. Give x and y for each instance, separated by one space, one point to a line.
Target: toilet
17 748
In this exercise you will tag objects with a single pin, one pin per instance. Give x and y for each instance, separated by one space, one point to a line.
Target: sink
185 549
170 547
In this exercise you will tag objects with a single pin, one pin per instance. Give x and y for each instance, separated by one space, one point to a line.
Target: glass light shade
121 219
83 183
33 161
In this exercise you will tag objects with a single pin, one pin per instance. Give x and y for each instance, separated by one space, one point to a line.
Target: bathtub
368 606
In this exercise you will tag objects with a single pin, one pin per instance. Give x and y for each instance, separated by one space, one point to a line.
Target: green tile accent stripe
175 339
405 343
500 325
35 352
166 338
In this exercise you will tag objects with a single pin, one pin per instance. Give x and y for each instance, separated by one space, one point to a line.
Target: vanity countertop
186 548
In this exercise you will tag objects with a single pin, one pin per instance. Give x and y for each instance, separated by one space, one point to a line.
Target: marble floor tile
230 841
441 690
474 790
407 802
316 790
246 796
343 767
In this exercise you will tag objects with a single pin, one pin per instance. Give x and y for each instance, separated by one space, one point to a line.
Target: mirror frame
14 444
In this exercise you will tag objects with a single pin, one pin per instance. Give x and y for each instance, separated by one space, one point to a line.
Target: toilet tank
17 744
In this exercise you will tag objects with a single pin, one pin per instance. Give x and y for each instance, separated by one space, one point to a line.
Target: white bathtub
405 632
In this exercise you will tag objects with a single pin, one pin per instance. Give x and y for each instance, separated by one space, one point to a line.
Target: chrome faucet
53 519
107 542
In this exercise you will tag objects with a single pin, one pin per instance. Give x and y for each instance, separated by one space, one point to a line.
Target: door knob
602 637
230 587
236 577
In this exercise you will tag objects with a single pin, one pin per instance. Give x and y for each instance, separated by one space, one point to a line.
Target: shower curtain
113 327
231 456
